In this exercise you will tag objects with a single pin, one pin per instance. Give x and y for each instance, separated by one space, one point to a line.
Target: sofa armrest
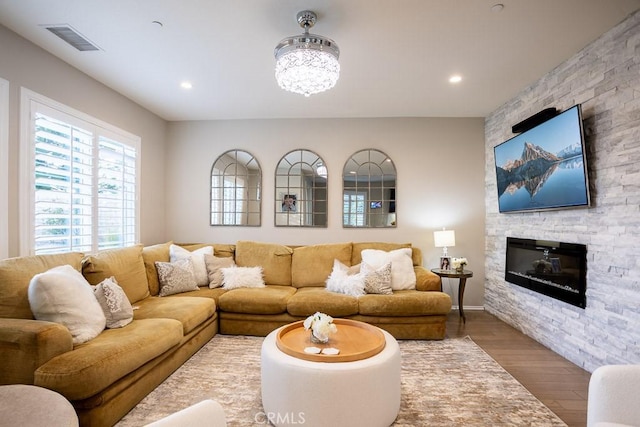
613 396
208 412
426 280
27 344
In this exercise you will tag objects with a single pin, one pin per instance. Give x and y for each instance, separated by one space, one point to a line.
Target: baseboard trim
469 307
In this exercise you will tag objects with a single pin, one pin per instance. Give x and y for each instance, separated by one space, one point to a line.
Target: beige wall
439 162
26 65
440 181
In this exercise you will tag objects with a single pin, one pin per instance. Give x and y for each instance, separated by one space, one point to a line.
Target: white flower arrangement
458 263
321 325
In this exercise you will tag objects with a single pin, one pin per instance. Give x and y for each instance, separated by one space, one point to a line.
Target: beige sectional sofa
108 375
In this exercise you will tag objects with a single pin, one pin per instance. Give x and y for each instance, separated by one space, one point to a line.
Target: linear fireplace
555 269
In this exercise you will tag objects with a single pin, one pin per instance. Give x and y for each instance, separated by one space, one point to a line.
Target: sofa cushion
125 264
204 292
191 312
95 365
219 249
405 303
272 299
16 273
307 301
151 254
114 303
62 295
274 259
312 265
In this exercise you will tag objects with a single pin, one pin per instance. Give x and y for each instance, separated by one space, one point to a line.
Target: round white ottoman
28 405
361 393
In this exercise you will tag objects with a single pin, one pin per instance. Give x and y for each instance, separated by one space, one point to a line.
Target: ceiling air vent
71 36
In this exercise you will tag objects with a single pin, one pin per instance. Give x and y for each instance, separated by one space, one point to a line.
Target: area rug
444 383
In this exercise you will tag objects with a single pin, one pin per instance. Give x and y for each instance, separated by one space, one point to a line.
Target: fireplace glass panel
555 269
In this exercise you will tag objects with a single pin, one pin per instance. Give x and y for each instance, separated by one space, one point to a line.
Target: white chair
206 413
29 405
614 396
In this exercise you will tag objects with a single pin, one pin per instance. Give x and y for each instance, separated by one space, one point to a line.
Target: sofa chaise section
108 375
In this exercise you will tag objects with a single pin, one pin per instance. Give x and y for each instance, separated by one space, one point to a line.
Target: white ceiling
396 56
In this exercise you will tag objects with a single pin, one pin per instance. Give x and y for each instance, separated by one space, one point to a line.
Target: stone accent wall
605 78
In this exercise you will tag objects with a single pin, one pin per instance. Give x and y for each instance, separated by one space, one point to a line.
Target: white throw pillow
242 277
176 277
402 274
177 253
345 280
64 296
114 303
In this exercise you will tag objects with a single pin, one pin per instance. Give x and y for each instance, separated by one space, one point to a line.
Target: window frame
32 102
360 218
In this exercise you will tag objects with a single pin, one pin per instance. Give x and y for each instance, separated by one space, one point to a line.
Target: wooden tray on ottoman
355 340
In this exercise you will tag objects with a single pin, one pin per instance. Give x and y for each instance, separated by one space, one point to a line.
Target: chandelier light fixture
308 63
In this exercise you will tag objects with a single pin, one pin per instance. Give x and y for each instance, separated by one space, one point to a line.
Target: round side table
463 276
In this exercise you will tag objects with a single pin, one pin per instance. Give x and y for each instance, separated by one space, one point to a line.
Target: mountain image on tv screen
544 167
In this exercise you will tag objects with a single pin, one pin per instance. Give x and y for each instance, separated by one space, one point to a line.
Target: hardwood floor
555 381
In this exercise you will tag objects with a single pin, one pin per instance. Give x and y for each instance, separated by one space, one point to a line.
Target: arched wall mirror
369 190
301 190
236 180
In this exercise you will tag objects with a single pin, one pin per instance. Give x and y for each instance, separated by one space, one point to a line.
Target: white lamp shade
444 238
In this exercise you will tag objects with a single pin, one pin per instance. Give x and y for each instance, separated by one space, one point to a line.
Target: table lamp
443 239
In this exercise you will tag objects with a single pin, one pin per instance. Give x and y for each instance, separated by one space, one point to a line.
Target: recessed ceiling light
186 85
455 78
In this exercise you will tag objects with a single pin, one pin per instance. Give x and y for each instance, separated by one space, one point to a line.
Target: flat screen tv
544 167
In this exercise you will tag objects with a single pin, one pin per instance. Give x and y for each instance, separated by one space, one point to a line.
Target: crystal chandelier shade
307 64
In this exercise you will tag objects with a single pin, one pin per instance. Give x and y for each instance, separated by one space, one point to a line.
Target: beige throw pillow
176 277
62 295
377 281
114 302
214 268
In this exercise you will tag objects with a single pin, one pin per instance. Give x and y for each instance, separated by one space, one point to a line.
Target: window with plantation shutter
116 194
83 182
63 187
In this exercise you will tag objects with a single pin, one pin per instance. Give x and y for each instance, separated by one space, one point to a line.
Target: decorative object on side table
459 264
444 239
321 326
